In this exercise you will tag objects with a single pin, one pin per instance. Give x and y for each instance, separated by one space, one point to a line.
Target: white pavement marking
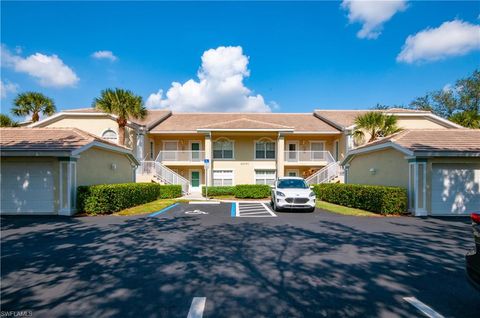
427 311
268 209
253 209
197 307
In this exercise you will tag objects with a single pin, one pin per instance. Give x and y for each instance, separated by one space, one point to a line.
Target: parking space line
268 209
253 209
426 310
163 210
197 307
233 210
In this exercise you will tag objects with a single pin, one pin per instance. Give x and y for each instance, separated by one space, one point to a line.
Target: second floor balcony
308 157
181 157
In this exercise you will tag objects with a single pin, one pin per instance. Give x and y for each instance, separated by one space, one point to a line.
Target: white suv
292 193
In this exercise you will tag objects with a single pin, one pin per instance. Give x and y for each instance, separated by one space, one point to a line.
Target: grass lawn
150 207
343 209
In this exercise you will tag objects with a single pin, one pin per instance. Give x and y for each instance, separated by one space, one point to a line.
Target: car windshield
292 184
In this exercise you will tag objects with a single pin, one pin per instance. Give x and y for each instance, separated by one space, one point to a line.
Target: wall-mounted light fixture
113 166
372 171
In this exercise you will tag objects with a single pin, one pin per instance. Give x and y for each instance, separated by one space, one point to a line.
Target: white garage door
27 188
455 188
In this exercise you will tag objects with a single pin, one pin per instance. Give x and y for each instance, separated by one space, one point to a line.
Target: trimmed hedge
170 191
252 191
218 191
378 199
109 198
241 191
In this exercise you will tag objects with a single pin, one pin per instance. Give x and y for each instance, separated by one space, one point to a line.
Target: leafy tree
459 103
123 104
6 121
375 125
421 103
467 118
33 103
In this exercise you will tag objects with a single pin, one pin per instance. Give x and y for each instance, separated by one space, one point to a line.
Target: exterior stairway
332 172
157 172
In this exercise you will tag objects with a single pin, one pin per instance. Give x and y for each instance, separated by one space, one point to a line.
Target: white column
140 146
208 155
68 187
280 155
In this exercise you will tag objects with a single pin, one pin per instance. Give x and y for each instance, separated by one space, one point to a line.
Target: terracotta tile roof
153 115
434 140
244 123
346 118
47 139
193 121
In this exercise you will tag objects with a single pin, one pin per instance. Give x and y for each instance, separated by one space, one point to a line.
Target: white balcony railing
308 156
181 155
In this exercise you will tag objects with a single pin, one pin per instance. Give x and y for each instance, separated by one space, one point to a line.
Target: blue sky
301 56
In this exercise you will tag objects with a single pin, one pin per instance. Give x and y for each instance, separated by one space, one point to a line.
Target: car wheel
311 209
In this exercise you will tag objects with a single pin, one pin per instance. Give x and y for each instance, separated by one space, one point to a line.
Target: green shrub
109 198
219 191
170 191
252 191
379 199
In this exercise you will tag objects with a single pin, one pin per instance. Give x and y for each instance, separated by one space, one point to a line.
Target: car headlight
280 194
312 194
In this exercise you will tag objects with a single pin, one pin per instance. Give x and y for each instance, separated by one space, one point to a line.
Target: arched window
110 135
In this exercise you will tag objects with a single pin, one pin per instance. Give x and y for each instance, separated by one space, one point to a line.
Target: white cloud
107 55
372 14
7 87
452 38
49 70
220 86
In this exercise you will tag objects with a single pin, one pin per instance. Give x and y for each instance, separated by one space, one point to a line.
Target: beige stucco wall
95 167
391 168
243 164
183 142
417 123
96 126
55 173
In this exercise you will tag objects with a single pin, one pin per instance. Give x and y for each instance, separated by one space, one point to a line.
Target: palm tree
376 125
6 121
33 103
122 103
467 118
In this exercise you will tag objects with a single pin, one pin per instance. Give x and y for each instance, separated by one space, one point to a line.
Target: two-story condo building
242 148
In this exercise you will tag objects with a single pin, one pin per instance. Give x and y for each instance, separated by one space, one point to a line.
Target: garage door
27 187
455 188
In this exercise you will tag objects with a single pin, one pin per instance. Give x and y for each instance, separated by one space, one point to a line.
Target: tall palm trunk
35 117
122 122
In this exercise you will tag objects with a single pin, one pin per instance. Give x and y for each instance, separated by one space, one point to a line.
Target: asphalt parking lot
292 264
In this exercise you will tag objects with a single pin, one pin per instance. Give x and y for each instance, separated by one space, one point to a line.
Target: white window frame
297 151
164 143
296 171
265 140
312 142
226 169
200 149
223 139
265 179
112 130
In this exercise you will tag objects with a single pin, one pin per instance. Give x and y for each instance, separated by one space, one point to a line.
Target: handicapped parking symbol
195 212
